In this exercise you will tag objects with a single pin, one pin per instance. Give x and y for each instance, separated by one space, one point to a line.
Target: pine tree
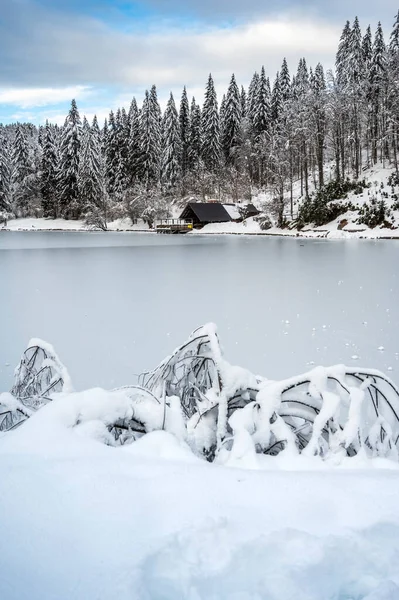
252 98
232 134
172 146
150 138
277 100
318 114
49 173
134 153
91 170
341 62
5 177
184 121
367 50
262 109
69 165
211 147
243 99
195 136
121 137
20 156
111 154
377 83
285 81
394 39
355 60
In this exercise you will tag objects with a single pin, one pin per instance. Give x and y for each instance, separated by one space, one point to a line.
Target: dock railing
173 225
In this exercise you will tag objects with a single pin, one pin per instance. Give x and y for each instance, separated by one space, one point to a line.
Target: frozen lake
115 304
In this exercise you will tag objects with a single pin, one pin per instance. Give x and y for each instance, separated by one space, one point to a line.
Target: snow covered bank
330 232
150 521
106 494
248 227
32 224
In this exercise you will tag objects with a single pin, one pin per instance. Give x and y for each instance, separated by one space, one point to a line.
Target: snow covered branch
223 412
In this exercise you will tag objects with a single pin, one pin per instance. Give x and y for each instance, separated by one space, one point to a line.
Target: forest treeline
266 137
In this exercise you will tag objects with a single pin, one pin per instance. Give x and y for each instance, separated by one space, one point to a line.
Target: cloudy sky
104 52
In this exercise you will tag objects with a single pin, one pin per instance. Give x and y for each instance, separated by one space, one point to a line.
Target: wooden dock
173 226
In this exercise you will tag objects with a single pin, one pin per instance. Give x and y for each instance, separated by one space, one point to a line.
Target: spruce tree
394 39
150 138
277 101
195 136
172 146
5 177
243 100
20 156
367 49
91 171
184 121
285 81
232 134
355 56
211 146
69 165
111 155
134 153
262 110
341 61
49 173
252 98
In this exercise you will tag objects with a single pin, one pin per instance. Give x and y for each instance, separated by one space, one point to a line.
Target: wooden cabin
203 213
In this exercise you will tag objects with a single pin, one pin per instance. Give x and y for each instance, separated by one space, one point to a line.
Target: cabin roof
232 211
207 212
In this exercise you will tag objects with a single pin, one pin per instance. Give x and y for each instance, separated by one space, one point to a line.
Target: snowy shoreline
214 229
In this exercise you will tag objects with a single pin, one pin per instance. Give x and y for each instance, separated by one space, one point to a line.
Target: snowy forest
270 136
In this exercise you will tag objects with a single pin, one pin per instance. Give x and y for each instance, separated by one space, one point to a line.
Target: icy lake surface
115 304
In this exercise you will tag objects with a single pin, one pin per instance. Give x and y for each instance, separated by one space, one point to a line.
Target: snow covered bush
373 213
264 221
323 206
223 412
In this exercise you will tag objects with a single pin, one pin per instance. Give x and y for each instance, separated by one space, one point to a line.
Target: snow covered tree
243 100
5 178
252 98
150 138
134 151
184 121
285 81
377 89
211 146
232 137
195 143
91 168
262 109
112 155
318 118
68 175
172 146
49 173
341 62
277 100
20 156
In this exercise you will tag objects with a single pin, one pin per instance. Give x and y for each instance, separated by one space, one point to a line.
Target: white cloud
103 67
36 97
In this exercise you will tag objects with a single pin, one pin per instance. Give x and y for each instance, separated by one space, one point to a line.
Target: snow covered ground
32 224
151 521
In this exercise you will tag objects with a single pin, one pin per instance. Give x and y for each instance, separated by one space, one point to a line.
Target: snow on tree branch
223 412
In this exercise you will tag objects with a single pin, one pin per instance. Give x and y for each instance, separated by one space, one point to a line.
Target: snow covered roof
233 211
